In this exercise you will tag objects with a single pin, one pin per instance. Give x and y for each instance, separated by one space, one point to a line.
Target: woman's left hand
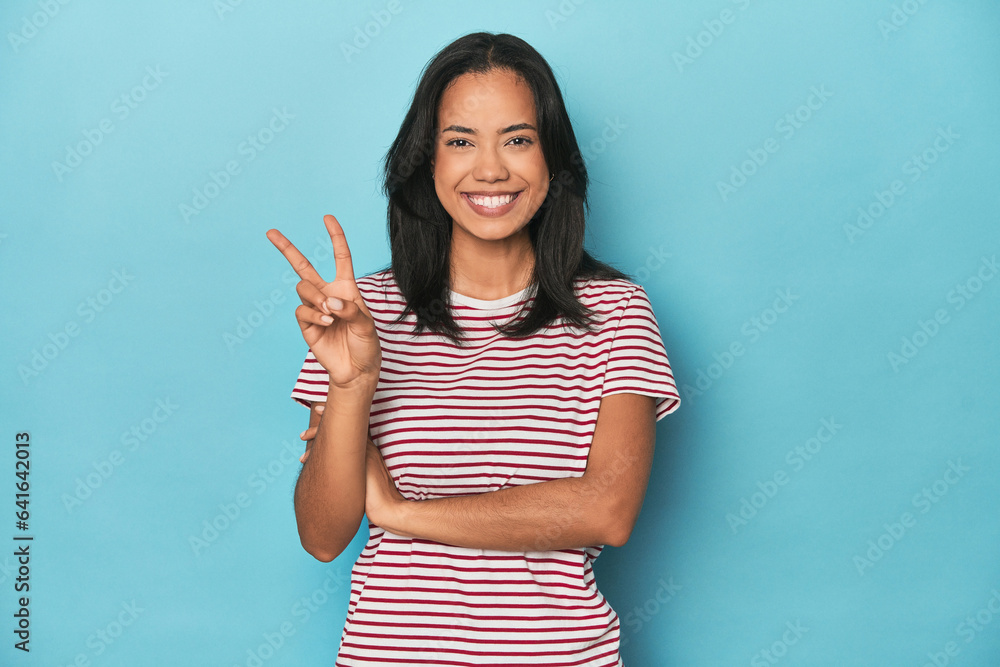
382 498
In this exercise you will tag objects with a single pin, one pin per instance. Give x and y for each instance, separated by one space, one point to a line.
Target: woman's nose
489 166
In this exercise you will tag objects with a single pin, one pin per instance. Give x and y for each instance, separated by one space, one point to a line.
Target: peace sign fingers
341 253
335 322
299 263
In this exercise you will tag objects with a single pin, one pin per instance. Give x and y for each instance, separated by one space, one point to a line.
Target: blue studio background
807 191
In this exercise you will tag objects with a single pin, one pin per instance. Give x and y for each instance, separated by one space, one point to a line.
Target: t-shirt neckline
489 304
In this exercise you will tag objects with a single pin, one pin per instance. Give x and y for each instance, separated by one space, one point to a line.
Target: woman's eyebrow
469 130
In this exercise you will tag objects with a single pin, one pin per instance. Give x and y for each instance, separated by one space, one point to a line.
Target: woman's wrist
399 512
358 391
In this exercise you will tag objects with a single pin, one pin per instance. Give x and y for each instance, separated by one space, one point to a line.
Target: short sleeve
637 362
312 383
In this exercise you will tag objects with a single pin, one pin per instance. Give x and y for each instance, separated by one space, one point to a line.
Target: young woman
489 399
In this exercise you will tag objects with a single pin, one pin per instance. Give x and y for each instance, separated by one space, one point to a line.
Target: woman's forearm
573 512
330 492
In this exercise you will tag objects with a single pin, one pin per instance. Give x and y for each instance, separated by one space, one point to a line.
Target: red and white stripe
491 414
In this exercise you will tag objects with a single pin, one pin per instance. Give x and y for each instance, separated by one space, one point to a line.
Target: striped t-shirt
494 413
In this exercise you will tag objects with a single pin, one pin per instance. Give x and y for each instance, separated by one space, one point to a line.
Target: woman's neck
491 270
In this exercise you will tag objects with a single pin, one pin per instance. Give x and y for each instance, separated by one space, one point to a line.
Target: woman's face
489 171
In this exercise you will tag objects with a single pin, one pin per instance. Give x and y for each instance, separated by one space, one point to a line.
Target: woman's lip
497 193
492 212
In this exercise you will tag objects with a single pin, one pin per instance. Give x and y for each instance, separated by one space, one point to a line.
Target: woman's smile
491 205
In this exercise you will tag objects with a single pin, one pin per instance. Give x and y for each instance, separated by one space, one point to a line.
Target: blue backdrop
807 191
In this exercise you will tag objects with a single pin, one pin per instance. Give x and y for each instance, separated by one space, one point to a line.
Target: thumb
343 309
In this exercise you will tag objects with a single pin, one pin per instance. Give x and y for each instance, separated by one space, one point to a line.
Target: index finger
298 261
341 253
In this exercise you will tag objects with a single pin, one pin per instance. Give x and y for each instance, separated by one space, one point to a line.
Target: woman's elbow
324 550
322 556
618 534
321 553
619 524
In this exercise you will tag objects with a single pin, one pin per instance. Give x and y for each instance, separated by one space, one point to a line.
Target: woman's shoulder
594 289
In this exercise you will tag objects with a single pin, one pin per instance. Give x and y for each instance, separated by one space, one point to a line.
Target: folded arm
600 507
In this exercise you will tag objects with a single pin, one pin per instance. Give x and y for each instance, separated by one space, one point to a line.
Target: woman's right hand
335 322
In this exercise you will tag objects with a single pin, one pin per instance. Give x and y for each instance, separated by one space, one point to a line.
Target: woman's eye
516 141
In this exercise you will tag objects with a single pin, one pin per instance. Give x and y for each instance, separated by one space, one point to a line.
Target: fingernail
302 435
320 408
335 303
326 319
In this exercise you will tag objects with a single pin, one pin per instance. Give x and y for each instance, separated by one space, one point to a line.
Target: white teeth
492 202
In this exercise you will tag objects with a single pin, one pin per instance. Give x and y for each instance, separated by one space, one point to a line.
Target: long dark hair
420 228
